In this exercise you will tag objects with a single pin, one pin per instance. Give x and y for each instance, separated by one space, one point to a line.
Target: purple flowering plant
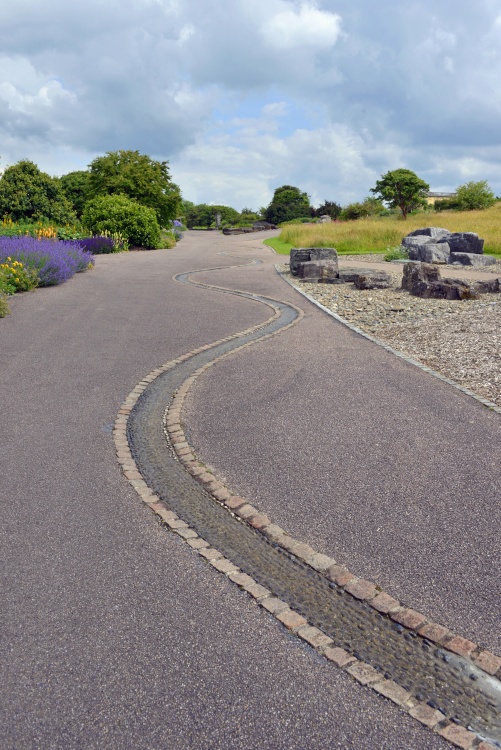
55 261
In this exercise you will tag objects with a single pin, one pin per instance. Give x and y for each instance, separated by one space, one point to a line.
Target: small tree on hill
403 189
474 195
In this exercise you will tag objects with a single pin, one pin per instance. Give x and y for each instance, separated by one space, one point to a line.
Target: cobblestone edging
485 402
358 588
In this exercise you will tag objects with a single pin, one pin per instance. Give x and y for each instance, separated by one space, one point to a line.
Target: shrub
167 241
396 253
474 196
119 214
54 261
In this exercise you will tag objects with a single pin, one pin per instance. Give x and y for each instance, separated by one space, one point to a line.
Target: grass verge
278 245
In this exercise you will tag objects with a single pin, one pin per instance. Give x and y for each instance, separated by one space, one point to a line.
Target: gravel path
113 633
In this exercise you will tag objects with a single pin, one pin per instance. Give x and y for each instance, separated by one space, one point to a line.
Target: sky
243 96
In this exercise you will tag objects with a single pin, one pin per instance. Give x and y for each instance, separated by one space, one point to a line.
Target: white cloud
289 29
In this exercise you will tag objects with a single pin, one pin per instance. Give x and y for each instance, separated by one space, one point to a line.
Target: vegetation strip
344 603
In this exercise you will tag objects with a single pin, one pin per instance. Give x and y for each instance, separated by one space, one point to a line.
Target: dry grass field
376 235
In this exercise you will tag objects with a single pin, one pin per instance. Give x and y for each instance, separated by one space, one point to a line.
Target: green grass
278 245
375 235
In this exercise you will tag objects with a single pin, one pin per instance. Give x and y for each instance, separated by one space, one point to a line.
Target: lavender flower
54 260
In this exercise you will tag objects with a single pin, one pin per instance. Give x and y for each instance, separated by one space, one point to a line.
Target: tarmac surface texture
114 634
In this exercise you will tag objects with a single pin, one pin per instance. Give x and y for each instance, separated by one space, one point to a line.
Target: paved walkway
114 634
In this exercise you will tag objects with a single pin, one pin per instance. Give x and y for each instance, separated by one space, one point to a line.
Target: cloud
243 96
289 29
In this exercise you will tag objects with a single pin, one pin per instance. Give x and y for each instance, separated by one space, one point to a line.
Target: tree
328 208
474 195
204 215
26 193
402 189
288 203
75 186
139 177
123 215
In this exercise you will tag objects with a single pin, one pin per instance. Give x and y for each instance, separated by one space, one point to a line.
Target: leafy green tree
288 203
118 213
403 189
27 194
328 208
75 186
474 195
139 177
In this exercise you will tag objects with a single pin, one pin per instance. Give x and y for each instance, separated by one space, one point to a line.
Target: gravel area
459 339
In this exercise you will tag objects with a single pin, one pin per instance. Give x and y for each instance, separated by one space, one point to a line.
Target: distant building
431 198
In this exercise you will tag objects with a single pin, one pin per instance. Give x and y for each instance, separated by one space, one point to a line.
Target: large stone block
433 253
492 286
304 254
434 233
373 280
471 259
418 276
319 271
413 245
464 242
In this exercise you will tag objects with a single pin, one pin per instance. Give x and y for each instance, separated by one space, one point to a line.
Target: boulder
298 255
351 274
414 242
423 280
471 259
417 276
372 280
434 253
492 286
318 271
451 289
464 242
304 254
434 233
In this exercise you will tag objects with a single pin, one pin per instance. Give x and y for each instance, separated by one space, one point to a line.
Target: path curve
274 567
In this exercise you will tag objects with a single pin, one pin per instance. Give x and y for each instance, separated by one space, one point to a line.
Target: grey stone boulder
372 280
318 271
424 280
417 277
434 253
304 254
471 259
492 286
464 242
434 233
412 245
351 274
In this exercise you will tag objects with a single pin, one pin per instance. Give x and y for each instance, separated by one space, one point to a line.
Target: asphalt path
114 634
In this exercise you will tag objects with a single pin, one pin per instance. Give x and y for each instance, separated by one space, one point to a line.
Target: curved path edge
359 589
484 401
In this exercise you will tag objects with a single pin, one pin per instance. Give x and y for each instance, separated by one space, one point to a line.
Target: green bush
396 253
119 214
